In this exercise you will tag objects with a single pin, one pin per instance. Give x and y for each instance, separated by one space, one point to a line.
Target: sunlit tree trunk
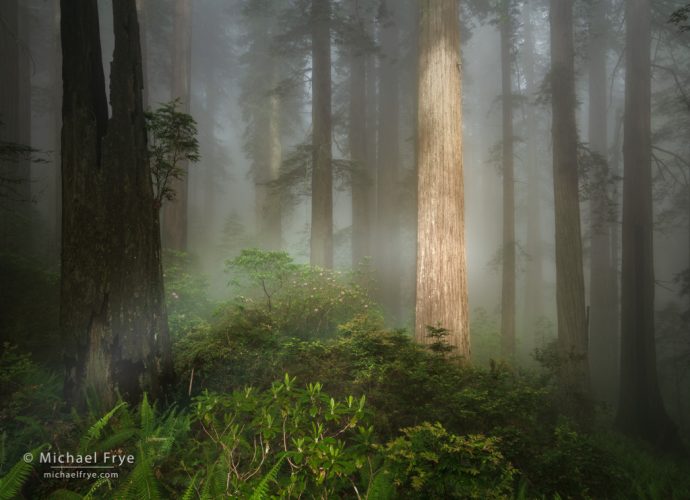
570 288
175 212
441 264
361 177
641 409
111 304
603 351
388 224
322 174
508 278
534 275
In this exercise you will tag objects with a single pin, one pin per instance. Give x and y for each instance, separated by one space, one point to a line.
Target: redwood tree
441 264
570 287
111 304
603 351
321 243
508 277
641 409
387 191
175 211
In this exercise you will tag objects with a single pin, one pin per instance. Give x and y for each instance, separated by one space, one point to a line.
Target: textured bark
175 216
603 337
388 224
441 264
534 275
111 304
570 289
641 409
143 21
508 276
361 178
322 174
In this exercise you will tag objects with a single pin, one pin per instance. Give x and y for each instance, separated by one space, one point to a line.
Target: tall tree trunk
175 212
322 174
534 276
57 124
602 344
143 23
266 149
570 288
388 224
371 117
508 281
441 264
15 126
641 409
361 177
111 304
270 207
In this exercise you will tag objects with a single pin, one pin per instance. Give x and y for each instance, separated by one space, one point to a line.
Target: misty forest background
347 248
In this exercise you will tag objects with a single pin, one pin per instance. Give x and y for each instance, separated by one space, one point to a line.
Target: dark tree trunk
111 305
361 177
603 349
641 409
322 174
15 127
388 224
441 264
175 212
570 288
508 279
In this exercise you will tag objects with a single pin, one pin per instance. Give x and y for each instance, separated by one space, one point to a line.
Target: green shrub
429 462
302 301
290 441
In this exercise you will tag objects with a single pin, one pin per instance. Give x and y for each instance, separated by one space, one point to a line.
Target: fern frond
95 431
12 482
148 417
261 490
97 486
143 480
189 492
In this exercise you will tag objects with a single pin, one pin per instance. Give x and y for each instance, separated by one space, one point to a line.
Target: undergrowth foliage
295 389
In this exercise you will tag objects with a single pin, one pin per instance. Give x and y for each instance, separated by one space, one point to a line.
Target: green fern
97 486
12 482
95 431
147 416
189 492
261 490
141 482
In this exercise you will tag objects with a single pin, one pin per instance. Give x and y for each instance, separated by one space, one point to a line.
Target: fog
245 55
